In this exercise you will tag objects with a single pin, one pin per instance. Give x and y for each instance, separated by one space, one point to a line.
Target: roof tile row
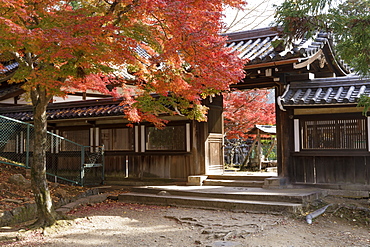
257 46
113 109
345 90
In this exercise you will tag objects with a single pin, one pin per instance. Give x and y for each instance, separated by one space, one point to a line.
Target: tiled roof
253 44
6 89
9 67
343 90
123 72
85 109
264 129
257 46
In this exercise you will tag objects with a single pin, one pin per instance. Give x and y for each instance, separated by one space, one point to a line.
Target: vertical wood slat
298 172
361 170
164 166
310 171
344 170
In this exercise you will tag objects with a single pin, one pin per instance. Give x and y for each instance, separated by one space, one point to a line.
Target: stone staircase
247 199
137 182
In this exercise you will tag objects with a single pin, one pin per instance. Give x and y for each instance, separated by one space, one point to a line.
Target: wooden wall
340 171
203 146
347 169
168 166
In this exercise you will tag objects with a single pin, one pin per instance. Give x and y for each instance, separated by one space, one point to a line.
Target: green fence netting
66 160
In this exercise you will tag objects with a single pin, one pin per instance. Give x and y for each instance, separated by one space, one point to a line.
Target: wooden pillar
285 136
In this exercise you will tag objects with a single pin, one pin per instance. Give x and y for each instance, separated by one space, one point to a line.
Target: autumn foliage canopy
244 109
157 46
131 49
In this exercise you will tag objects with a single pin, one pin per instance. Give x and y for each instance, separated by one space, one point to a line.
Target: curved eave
336 65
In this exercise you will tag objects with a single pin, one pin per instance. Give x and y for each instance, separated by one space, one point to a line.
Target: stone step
238 177
234 183
236 193
137 182
210 203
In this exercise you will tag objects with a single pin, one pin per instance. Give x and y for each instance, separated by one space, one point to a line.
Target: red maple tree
244 109
171 48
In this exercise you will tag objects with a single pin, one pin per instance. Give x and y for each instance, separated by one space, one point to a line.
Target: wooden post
285 136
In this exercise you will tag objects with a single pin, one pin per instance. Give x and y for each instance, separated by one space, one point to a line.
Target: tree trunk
273 143
246 159
46 215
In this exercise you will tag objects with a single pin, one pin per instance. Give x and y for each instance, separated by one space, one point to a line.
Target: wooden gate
214 154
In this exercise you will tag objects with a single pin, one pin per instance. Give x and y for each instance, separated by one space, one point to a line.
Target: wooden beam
324 74
13 94
84 94
255 85
298 77
331 110
271 64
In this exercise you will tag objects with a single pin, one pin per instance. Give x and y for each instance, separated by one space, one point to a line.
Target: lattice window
334 134
117 139
81 137
168 138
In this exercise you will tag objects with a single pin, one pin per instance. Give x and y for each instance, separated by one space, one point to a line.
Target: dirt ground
114 223
111 223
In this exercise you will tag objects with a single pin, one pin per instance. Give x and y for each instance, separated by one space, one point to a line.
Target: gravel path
119 224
